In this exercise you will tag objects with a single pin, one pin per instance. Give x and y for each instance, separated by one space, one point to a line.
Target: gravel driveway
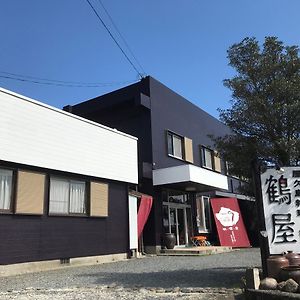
155 277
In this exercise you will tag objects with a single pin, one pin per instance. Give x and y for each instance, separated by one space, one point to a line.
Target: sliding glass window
175 145
67 196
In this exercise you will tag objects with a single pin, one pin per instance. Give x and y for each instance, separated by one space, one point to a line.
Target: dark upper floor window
229 167
175 145
229 170
6 181
207 157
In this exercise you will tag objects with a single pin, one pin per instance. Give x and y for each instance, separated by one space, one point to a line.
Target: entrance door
181 226
173 222
176 221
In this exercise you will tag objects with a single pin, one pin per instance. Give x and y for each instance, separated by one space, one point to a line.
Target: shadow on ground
213 278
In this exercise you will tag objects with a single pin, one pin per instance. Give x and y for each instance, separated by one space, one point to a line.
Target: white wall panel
36 134
133 224
189 173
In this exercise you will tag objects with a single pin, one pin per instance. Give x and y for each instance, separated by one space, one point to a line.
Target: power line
62 83
46 79
122 37
111 35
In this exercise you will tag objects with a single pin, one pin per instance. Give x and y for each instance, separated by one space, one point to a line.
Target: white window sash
177 146
202 203
207 158
59 196
67 196
77 197
5 188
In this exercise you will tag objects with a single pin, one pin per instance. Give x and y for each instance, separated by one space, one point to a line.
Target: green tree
265 112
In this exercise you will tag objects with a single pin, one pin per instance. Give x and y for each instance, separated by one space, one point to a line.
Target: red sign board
229 221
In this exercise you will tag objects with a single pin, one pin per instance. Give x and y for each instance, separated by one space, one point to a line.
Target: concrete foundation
30 267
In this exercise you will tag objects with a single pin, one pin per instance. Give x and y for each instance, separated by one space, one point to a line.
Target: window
229 167
203 214
207 156
67 196
6 179
175 145
177 197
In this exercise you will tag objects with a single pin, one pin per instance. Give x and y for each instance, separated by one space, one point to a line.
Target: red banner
143 213
229 221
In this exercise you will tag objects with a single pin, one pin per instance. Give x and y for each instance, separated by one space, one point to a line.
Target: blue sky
183 44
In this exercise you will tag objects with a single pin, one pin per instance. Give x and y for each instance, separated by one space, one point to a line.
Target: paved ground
202 277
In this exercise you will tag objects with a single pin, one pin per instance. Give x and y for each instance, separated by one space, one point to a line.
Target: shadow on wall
215 277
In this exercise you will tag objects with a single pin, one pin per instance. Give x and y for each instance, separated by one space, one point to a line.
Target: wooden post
263 240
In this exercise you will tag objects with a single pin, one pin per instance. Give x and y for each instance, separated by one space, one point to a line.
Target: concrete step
187 251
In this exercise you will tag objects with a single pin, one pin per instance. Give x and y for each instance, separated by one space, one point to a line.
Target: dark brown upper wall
128 110
110 100
146 110
170 111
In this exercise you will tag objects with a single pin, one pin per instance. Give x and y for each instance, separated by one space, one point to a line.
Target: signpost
281 206
278 208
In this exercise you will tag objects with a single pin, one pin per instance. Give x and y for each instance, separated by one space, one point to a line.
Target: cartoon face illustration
227 216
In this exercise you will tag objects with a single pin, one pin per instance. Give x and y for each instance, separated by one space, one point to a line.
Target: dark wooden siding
37 238
127 110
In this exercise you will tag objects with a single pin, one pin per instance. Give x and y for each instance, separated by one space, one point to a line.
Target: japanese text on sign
281 200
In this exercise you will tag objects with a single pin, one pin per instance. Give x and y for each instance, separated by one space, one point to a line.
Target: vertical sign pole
263 240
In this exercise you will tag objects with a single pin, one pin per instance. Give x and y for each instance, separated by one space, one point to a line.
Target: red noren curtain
143 212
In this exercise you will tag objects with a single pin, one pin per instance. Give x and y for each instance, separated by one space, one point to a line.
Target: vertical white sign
133 228
281 201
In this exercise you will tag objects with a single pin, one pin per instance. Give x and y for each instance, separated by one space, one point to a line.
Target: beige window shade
188 150
99 199
30 193
217 162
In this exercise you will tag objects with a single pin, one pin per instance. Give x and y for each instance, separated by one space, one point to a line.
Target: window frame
227 168
172 134
12 192
203 150
69 180
204 228
228 173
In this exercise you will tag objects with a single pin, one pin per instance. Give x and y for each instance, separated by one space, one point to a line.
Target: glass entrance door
181 226
175 221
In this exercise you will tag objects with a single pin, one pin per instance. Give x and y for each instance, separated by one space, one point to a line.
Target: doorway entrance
177 220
